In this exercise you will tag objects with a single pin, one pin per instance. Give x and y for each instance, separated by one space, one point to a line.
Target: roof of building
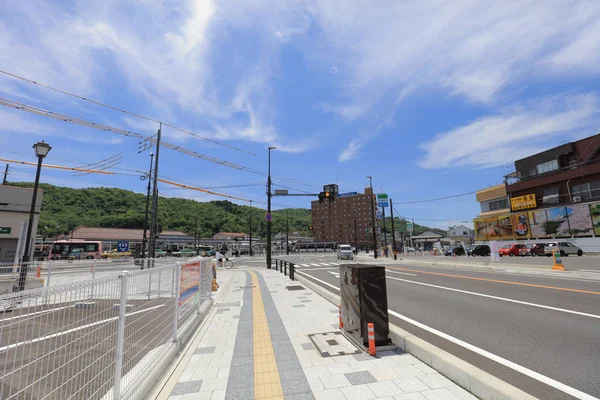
231 234
428 234
87 232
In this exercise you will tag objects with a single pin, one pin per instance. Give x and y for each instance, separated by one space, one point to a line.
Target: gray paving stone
239 392
205 350
242 361
308 346
186 387
305 301
300 396
360 378
363 357
298 305
295 386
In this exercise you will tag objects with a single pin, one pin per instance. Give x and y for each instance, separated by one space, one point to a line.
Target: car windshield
508 246
345 248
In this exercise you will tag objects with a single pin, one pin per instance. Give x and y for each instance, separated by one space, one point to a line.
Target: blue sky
431 98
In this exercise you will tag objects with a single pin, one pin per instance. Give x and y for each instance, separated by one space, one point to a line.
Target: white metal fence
102 338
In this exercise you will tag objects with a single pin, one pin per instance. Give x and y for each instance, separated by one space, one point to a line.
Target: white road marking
525 371
315 265
336 274
14 345
402 273
305 265
325 264
34 313
499 298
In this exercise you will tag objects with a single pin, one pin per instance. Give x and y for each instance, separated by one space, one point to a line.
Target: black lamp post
250 249
41 150
269 211
196 237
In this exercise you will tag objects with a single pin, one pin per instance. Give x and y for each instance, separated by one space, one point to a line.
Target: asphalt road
548 326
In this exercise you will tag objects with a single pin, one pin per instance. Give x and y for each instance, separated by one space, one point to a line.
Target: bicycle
228 263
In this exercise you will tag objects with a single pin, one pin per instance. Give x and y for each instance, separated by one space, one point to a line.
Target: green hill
65 208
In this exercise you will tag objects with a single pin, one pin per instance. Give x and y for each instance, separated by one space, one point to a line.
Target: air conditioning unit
576 199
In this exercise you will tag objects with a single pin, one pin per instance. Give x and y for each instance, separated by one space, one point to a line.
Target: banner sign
349 194
189 286
5 230
523 202
122 246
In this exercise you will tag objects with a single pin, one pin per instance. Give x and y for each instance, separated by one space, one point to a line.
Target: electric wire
122 111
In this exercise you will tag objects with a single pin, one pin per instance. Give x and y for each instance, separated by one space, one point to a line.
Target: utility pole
145 237
196 236
154 211
287 232
384 229
269 211
355 235
250 250
4 181
393 230
373 217
412 230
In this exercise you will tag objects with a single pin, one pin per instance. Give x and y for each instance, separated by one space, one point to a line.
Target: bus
75 249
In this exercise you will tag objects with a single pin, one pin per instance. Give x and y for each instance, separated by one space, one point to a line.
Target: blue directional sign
382 200
122 246
268 217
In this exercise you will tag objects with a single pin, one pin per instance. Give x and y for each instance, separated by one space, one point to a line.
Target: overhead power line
199 189
91 171
436 199
123 111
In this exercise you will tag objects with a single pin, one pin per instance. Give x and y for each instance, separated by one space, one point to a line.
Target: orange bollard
341 321
38 272
371 336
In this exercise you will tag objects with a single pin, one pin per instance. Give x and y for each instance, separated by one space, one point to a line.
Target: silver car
565 249
345 252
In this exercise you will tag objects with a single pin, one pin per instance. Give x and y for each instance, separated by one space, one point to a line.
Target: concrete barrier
474 380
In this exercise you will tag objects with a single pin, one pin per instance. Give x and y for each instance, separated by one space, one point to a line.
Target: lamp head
41 149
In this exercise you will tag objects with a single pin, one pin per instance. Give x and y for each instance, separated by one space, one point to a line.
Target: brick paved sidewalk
255 345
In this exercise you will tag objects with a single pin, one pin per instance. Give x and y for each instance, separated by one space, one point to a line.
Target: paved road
546 325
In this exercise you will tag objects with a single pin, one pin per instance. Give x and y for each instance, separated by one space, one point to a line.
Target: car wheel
500 255
534 254
511 254
579 253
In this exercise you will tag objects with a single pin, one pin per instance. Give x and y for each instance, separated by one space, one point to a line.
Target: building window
547 166
551 196
532 172
586 190
498 204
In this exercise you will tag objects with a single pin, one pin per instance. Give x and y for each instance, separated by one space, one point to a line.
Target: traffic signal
331 191
321 197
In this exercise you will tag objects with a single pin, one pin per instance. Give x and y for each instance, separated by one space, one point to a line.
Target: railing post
93 278
276 264
292 267
120 337
285 271
176 299
49 274
285 263
149 284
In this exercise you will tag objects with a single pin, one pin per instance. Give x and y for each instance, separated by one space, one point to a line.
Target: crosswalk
322 264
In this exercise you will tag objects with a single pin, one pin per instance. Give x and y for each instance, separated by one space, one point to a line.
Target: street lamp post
41 151
287 233
373 218
355 235
269 210
250 249
393 230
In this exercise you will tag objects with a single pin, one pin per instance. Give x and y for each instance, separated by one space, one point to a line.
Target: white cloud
349 152
513 134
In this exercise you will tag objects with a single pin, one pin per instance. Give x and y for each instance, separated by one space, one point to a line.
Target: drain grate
231 304
294 288
333 344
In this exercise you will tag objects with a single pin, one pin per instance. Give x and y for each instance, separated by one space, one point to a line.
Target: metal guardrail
103 338
285 267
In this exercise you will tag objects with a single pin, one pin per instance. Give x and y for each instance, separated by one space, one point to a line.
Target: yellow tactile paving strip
267 384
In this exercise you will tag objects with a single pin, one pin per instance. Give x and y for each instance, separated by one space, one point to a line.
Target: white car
345 252
565 249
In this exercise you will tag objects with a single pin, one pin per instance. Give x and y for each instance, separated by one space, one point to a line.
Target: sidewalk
254 344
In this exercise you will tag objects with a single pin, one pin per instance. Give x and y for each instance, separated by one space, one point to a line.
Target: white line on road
12 346
325 264
402 273
34 313
525 371
315 265
499 298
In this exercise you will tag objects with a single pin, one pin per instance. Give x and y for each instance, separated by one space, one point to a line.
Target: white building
15 204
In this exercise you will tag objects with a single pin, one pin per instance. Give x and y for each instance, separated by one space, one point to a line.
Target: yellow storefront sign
523 202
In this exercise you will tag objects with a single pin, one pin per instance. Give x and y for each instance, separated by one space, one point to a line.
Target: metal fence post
93 278
285 270
149 283
292 271
176 299
120 337
49 274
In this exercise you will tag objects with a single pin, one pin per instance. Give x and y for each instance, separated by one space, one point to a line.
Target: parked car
480 250
456 251
565 249
184 253
158 253
511 250
345 252
533 250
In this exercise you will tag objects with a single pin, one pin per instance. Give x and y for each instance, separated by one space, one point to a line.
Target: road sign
268 217
382 200
379 214
409 227
349 194
122 246
5 230
281 192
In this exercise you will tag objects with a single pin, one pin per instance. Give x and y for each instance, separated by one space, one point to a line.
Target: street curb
474 265
476 381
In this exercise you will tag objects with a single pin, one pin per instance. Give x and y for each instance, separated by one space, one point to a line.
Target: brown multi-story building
347 219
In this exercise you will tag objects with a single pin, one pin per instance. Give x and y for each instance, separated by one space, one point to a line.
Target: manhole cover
294 288
333 344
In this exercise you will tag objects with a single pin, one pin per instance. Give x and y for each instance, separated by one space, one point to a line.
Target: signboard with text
382 200
523 202
122 246
5 230
349 194
281 192
189 287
